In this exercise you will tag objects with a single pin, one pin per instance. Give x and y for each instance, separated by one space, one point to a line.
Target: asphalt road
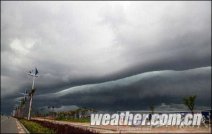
10 125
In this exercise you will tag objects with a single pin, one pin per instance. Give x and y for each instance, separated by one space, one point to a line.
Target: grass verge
65 128
34 127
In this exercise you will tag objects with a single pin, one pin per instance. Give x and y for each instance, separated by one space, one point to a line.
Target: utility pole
32 73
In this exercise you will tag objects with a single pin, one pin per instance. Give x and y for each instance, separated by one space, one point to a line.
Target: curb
27 132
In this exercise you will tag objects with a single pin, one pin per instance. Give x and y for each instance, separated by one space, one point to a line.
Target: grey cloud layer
77 43
139 91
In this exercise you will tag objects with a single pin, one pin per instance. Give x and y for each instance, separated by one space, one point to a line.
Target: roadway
11 125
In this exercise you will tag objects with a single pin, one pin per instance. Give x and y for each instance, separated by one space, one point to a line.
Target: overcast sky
106 55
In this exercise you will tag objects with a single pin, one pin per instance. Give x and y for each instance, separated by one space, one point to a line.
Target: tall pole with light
25 94
32 73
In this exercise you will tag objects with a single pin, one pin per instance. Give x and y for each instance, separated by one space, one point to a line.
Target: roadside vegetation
79 115
34 127
64 128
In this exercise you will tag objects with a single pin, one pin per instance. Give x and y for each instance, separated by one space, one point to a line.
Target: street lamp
32 73
25 94
15 110
24 99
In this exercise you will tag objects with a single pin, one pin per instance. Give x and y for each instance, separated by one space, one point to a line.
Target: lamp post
15 110
24 100
32 73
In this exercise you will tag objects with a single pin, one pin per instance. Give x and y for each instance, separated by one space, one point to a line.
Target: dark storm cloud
139 91
79 43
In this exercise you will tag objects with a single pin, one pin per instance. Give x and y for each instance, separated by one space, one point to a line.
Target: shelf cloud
139 91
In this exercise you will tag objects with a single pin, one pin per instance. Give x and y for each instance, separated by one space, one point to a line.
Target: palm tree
189 102
52 110
152 110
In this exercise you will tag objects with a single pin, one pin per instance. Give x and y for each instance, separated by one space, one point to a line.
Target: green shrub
34 127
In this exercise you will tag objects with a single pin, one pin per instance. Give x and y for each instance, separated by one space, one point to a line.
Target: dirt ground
131 129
